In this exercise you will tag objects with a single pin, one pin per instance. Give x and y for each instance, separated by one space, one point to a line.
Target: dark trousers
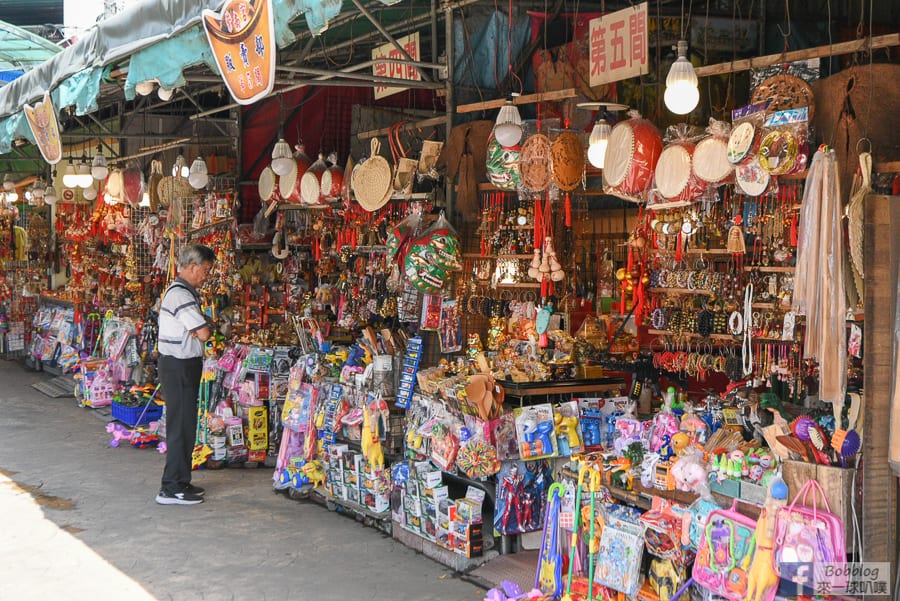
180 379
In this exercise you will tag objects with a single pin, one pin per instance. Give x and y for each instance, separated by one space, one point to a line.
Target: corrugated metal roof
22 50
31 12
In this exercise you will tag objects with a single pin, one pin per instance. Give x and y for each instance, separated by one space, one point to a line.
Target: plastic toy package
521 495
535 431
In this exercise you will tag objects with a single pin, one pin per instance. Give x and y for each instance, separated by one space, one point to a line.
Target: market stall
629 344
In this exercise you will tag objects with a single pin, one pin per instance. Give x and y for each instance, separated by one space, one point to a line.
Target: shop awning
154 39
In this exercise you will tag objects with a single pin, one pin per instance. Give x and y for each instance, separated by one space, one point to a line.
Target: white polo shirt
179 316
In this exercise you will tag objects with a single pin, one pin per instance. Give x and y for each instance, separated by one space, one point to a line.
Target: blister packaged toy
535 432
726 550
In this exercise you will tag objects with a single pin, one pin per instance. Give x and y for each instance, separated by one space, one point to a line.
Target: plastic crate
130 415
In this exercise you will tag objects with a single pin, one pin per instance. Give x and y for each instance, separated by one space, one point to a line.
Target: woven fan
785 92
534 163
862 185
371 180
567 154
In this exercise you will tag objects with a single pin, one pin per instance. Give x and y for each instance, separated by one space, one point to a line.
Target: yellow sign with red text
618 45
394 69
45 128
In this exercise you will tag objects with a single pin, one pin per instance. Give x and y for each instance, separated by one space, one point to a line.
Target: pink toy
136 438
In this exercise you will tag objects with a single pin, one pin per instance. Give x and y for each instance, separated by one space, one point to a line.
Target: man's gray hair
196 254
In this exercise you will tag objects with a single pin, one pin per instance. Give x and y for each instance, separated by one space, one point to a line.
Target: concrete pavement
78 521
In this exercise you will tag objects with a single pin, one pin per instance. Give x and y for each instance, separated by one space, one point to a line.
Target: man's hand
202 334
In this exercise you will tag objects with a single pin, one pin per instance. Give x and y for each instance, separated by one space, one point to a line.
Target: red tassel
568 210
545 288
538 224
679 249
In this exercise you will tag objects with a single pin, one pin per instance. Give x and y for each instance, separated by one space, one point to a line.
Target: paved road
78 522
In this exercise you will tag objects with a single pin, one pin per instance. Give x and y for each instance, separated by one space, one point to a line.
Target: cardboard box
256 455
431 478
727 487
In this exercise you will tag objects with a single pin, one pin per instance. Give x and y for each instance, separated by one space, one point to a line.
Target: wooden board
879 496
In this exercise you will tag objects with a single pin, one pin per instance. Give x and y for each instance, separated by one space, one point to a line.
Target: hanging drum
311 183
289 185
675 179
267 185
751 178
710 162
631 156
742 143
567 154
534 163
332 179
503 164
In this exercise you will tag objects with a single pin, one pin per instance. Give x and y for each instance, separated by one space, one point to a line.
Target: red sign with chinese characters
618 45
393 69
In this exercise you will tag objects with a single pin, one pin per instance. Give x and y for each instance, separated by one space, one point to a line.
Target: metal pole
448 98
389 37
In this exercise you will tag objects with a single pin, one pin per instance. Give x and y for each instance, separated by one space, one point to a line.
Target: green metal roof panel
21 49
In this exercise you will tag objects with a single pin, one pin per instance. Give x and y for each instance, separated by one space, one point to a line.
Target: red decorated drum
332 181
289 185
675 179
267 184
711 163
311 183
631 156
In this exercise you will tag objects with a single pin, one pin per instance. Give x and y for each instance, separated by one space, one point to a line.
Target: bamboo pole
870 43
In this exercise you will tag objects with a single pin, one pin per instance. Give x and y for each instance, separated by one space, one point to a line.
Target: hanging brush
848 442
820 445
800 427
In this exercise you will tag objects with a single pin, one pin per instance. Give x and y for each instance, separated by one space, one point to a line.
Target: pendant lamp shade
682 95
508 129
598 142
199 176
282 158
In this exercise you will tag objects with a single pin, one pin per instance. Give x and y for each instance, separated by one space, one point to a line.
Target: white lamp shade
598 142
12 196
85 179
99 168
89 193
37 189
199 176
145 199
50 196
508 129
8 183
282 158
682 95
70 178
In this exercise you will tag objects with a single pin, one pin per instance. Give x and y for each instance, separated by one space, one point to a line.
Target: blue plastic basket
130 415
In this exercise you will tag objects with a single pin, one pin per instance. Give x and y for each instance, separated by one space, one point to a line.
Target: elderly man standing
182 331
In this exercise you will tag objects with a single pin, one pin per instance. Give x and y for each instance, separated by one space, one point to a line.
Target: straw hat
371 180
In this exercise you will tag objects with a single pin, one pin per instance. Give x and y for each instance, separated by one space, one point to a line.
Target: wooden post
879 486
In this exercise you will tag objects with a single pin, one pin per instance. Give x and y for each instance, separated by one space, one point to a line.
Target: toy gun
537 439
567 426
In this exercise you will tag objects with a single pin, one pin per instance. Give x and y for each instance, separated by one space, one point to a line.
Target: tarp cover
162 37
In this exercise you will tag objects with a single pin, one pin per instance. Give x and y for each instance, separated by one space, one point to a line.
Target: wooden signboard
45 128
242 38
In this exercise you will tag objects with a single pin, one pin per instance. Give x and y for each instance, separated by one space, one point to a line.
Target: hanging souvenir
503 164
371 180
751 178
534 163
45 128
311 182
631 156
710 160
567 159
268 184
675 179
332 178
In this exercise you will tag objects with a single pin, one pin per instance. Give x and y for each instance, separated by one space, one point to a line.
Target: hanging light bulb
50 195
282 158
37 189
70 178
682 95
8 183
83 172
89 193
29 198
99 168
199 176
508 128
12 197
145 199
179 168
597 144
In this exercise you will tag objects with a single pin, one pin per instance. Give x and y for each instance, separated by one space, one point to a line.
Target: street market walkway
78 522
